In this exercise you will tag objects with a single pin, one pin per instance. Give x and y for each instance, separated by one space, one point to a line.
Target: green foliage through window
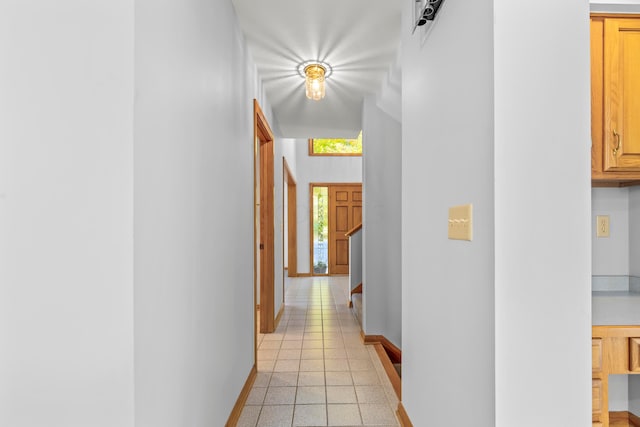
337 145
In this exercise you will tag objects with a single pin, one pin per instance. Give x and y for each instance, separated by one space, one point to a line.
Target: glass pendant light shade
314 81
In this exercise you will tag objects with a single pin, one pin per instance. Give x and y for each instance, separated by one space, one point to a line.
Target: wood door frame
321 184
263 143
292 231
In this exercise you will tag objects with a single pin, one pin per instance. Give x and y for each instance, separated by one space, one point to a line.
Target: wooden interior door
622 95
345 212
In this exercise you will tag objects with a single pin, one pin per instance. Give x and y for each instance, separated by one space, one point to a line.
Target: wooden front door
345 212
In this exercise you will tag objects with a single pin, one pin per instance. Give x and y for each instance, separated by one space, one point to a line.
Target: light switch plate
602 226
461 222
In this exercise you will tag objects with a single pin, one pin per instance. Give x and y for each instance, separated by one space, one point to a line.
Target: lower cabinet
614 350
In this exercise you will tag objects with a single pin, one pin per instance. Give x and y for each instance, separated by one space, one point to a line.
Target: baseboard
394 378
242 399
278 317
623 416
394 352
304 275
403 417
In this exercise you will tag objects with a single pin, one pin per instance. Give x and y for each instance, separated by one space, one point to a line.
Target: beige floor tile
309 415
357 353
311 378
288 354
293 336
311 394
262 379
270 345
336 365
249 416
284 379
343 415
316 361
273 337
377 414
360 365
280 396
312 344
291 345
365 378
341 394
287 365
267 354
313 353
312 365
334 344
335 353
309 336
276 416
266 365
338 378
371 394
256 396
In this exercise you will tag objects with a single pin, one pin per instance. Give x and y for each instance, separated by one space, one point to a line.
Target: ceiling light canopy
314 74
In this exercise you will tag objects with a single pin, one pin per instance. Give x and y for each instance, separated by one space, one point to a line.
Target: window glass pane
320 229
338 145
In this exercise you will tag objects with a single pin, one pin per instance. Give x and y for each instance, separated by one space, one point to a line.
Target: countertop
615 308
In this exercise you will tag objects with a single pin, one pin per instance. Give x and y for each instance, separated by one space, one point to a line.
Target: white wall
634 394
284 148
66 177
381 233
615 6
447 160
610 255
195 84
485 69
542 202
355 259
317 169
634 231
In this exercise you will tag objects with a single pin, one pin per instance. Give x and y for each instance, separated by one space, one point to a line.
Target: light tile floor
314 370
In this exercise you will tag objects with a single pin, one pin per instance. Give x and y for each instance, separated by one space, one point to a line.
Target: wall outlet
602 226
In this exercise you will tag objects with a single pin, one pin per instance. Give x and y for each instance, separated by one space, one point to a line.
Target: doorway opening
264 214
335 209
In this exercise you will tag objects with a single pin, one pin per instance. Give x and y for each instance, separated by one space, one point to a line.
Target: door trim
263 141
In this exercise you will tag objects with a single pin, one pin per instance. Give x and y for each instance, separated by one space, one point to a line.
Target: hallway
314 370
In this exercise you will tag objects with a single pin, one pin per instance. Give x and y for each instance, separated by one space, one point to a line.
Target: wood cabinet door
345 212
621 95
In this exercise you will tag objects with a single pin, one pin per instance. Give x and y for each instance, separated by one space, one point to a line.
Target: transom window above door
336 146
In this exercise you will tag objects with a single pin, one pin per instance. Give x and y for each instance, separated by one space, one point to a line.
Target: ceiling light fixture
314 73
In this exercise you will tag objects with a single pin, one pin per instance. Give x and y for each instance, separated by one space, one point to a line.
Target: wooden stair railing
353 230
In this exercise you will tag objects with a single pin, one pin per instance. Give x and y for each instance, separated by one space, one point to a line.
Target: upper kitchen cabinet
615 100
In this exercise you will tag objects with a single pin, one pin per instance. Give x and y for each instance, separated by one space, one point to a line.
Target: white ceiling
359 39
